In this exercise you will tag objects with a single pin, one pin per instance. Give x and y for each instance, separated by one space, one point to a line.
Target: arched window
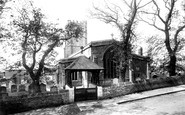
110 64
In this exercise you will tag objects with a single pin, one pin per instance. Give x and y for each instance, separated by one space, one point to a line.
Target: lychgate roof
83 63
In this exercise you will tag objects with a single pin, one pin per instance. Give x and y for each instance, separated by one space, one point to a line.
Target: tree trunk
125 58
123 73
35 85
172 65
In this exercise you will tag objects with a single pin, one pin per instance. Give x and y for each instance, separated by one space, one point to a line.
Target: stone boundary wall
123 89
114 91
23 103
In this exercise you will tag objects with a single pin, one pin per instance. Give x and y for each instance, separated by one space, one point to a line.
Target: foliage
74 30
2 5
167 13
35 39
125 21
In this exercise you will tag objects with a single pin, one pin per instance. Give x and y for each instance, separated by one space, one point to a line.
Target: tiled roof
83 63
102 42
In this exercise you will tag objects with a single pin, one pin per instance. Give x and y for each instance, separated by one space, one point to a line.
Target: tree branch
24 48
170 11
41 63
128 4
144 4
158 11
176 37
151 24
166 2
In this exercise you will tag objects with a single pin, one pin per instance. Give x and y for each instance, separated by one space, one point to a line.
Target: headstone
115 81
3 95
54 89
13 88
22 88
3 92
107 82
43 87
26 85
3 89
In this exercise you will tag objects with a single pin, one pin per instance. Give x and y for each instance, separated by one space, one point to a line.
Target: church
93 64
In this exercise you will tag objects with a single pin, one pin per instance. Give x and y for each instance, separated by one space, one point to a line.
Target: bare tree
38 39
173 23
125 22
157 53
2 5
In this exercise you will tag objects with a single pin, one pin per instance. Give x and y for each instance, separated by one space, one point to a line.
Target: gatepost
100 92
71 93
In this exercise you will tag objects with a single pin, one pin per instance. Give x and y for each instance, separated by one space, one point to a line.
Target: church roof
102 42
83 63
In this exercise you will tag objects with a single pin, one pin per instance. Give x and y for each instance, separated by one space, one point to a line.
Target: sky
63 10
60 11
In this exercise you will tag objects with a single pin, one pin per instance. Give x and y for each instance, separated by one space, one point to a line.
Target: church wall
97 57
97 53
96 50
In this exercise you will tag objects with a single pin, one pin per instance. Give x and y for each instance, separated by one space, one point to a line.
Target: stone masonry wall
28 102
114 90
123 89
98 52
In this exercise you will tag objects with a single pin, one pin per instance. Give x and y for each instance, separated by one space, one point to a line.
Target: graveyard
122 47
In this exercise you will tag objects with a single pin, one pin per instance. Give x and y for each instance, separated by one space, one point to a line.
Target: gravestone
3 92
43 87
54 89
3 89
22 88
115 81
13 88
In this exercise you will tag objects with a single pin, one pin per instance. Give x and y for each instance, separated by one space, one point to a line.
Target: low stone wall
18 104
123 89
114 90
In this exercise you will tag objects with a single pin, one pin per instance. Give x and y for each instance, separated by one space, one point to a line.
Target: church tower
73 45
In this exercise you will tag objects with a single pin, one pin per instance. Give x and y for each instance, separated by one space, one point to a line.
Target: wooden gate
83 94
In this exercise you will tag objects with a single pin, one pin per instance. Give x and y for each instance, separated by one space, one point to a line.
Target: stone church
88 65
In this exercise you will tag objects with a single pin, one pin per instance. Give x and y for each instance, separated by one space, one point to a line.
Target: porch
82 73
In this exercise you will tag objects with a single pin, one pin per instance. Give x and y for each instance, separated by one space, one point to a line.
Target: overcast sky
63 10
59 11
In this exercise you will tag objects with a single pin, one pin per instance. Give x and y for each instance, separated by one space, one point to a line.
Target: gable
83 63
